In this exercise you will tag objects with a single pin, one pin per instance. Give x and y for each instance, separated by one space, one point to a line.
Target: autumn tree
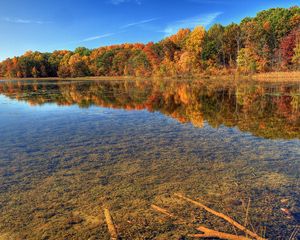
296 56
232 43
82 51
54 61
180 37
287 46
194 45
119 63
78 65
63 68
247 60
154 54
139 64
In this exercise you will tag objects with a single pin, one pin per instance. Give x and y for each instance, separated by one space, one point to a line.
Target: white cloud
23 21
139 22
117 2
203 20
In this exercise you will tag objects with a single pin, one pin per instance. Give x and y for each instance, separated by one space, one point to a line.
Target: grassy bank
261 77
278 76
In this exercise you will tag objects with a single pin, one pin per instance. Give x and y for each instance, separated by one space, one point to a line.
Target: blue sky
45 25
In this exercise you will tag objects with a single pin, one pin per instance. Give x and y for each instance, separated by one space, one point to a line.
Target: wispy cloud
139 23
24 21
97 37
93 38
117 2
203 20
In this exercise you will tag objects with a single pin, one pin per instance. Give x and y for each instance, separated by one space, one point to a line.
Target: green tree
213 45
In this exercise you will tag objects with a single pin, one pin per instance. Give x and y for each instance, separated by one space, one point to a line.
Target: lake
69 149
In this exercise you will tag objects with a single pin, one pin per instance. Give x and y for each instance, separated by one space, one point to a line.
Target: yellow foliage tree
180 37
194 46
195 40
296 57
247 60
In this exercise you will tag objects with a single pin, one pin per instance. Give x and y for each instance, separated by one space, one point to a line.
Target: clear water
70 148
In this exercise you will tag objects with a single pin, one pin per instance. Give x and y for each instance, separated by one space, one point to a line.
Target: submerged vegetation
63 168
267 42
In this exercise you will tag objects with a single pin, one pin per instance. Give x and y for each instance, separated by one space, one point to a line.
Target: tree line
270 41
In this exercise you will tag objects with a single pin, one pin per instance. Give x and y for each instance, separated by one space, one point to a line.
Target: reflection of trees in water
267 110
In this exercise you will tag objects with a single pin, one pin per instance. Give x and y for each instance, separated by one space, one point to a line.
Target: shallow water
68 149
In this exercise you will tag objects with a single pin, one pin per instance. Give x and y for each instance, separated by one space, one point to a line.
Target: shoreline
257 77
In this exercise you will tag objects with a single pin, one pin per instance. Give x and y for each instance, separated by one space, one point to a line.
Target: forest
268 42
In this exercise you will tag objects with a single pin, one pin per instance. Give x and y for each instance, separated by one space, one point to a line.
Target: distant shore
260 77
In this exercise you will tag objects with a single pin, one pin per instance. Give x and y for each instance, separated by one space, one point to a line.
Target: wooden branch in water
209 233
223 216
111 227
247 212
294 233
163 211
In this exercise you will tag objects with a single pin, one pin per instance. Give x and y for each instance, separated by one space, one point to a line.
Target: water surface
70 148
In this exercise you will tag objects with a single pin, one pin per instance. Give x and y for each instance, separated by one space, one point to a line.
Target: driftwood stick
163 211
223 216
294 233
247 213
111 227
249 219
178 220
208 233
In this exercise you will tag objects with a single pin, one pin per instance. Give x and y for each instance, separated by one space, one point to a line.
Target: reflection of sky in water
152 152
